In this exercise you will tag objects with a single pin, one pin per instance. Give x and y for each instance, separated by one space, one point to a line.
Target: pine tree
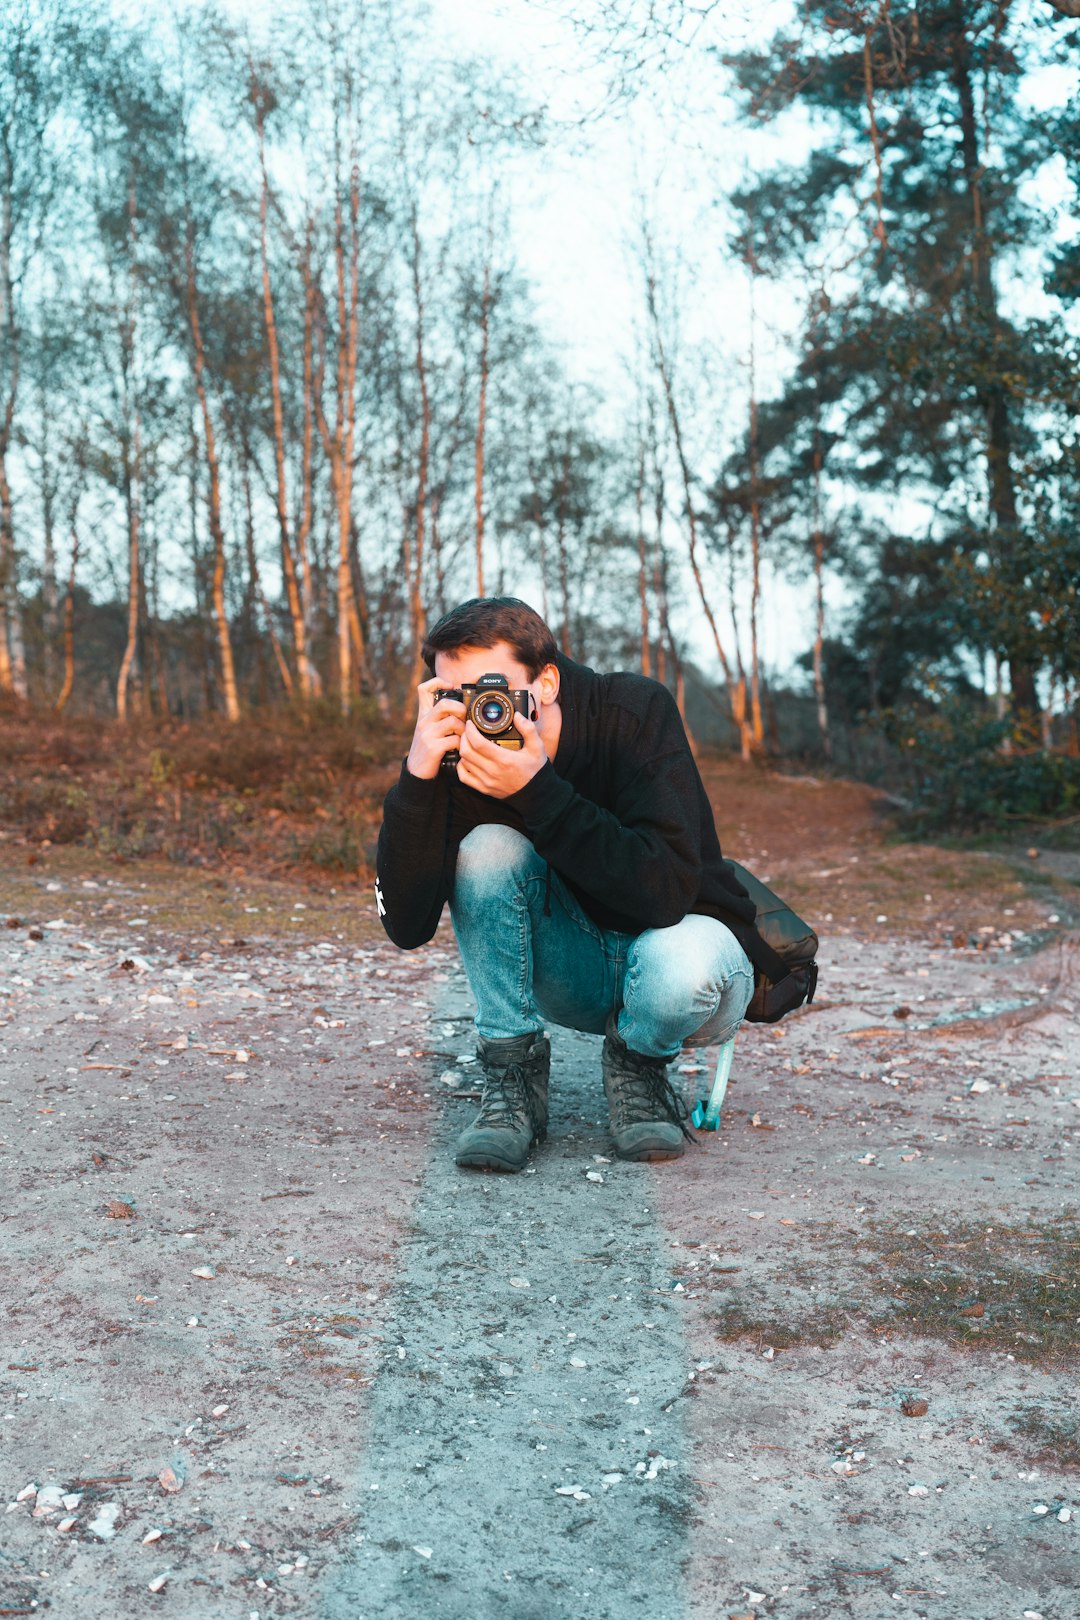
913 195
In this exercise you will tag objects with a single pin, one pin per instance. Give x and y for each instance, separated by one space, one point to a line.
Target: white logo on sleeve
379 901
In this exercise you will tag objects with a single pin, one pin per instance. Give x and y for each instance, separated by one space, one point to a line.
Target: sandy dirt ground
266 1352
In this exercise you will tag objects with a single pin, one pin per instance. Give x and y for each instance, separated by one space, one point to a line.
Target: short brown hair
484 621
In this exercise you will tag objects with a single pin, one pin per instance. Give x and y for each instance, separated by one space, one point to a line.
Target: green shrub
969 770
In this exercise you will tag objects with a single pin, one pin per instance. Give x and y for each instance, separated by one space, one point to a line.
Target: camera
491 706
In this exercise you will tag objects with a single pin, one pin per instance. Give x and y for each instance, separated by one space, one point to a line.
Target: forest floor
267 1352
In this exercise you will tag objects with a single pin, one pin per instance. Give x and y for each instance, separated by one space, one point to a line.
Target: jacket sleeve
414 864
641 857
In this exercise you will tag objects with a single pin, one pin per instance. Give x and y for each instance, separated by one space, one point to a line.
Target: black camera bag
781 947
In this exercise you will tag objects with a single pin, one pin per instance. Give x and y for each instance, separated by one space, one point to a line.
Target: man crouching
561 814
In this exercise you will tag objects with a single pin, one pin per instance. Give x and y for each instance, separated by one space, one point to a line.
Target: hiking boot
513 1105
647 1113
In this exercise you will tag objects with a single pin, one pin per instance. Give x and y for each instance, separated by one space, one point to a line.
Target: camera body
491 705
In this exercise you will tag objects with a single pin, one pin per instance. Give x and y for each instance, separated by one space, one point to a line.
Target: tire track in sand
494 1396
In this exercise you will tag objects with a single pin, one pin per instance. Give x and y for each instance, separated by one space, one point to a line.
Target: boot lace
644 1092
507 1097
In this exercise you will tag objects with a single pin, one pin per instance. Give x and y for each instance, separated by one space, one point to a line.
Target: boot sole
484 1161
481 1159
651 1155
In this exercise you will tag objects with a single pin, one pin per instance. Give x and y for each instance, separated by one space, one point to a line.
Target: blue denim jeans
533 955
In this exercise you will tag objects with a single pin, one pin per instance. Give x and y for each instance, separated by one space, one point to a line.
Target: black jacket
621 814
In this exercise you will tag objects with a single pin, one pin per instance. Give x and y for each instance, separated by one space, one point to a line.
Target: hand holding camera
490 705
499 772
482 730
439 726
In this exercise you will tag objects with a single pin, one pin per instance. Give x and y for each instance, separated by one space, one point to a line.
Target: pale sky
573 210
574 213
575 206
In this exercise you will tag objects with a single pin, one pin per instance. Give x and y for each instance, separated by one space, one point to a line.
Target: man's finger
453 706
485 746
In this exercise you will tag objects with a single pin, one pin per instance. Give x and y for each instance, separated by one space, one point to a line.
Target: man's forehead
470 662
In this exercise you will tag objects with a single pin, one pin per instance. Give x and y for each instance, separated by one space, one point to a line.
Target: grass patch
1011 1289
1056 1439
1014 1289
822 1328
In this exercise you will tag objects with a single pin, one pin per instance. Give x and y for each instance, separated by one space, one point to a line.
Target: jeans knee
490 857
687 965
675 984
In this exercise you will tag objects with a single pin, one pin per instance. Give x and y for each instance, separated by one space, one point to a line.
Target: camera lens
492 714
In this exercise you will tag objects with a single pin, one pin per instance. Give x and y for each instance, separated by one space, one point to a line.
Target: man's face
465 667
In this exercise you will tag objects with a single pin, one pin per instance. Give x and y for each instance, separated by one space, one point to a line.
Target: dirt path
520 1451
887 1215
886 1224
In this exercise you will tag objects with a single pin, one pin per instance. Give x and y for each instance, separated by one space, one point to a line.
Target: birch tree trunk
213 504
69 618
288 562
735 690
50 616
12 658
560 537
756 720
480 425
199 578
667 386
149 616
415 575
643 578
671 651
540 524
819 591
11 681
348 272
257 594
740 694
132 488
12 652
132 456
663 633
50 598
339 443
437 556
307 482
